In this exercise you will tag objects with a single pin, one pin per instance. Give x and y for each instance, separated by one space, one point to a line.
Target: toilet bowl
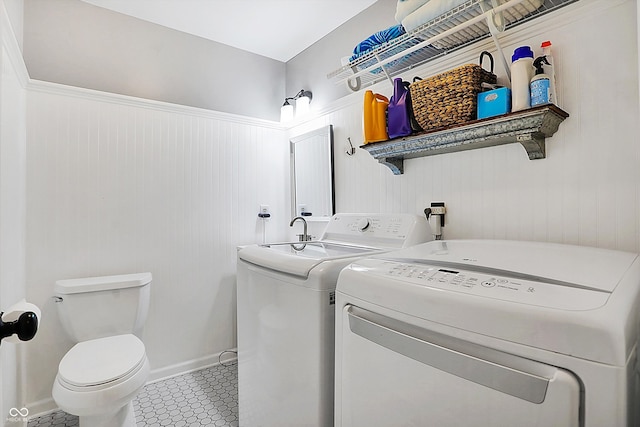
99 377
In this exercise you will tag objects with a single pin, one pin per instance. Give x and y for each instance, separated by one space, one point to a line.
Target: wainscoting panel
120 186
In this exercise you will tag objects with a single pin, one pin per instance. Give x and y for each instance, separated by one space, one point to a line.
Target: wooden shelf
529 127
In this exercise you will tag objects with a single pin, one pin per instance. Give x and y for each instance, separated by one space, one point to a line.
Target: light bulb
302 106
286 113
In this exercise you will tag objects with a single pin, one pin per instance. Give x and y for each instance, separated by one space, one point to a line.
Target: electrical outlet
264 211
438 208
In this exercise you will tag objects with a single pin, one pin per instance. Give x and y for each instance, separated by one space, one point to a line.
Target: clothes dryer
286 316
489 333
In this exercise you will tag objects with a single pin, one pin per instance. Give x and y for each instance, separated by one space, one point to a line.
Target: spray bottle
540 83
550 70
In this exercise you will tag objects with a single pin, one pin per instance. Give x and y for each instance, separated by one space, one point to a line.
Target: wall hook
351 151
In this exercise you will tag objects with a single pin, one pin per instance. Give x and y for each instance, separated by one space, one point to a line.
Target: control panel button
364 224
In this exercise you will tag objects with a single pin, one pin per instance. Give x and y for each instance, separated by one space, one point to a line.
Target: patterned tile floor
205 398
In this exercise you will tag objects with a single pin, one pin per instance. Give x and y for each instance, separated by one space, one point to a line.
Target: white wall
78 44
310 67
12 212
587 190
120 185
15 12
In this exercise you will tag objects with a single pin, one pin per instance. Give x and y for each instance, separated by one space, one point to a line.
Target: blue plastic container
494 102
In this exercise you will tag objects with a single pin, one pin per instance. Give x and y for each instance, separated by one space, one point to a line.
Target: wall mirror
312 187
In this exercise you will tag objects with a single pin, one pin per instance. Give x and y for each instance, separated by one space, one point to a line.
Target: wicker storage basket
450 98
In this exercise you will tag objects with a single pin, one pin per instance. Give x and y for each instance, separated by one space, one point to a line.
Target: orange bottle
375 117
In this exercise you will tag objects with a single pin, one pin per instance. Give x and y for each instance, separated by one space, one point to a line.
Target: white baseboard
15 423
46 406
42 407
191 365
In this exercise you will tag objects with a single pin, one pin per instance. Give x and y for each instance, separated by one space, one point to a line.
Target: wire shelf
455 29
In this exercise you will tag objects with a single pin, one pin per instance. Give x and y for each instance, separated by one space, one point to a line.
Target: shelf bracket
396 164
384 68
534 144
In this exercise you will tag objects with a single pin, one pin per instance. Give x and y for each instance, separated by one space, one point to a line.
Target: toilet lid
101 360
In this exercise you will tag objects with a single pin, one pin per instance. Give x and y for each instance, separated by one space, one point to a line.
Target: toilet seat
101 363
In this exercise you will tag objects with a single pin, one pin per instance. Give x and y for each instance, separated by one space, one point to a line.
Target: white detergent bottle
550 70
521 75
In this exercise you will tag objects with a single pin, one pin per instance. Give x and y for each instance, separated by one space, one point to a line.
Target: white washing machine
489 333
286 316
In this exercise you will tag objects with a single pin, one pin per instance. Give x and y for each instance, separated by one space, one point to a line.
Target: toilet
102 373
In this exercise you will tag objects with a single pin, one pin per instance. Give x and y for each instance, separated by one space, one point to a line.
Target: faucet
304 237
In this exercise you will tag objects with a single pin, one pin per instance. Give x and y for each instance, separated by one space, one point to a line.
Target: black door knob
25 327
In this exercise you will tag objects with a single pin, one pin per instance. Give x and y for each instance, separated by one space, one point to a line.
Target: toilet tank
97 307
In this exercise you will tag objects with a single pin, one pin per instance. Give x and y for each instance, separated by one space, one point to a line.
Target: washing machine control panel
380 226
456 278
522 290
378 230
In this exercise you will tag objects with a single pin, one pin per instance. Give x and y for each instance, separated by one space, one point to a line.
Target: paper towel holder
25 326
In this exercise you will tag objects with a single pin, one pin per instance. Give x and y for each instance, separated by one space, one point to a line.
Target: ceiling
278 29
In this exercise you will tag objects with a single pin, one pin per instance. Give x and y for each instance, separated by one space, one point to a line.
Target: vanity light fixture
302 99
